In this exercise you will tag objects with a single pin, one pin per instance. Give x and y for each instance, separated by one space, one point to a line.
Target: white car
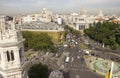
79 51
78 57
67 59
76 43
65 45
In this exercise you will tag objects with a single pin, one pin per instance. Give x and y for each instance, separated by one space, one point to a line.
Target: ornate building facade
44 16
11 50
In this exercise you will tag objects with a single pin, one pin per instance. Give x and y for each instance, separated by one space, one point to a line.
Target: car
67 59
92 54
78 57
112 59
46 54
86 52
79 51
65 45
76 43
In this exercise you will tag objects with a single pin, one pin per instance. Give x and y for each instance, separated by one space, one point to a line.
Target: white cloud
74 3
62 5
41 2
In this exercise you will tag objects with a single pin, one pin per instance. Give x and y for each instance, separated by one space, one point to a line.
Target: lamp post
111 72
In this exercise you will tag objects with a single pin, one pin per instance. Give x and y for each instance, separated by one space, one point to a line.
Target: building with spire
100 14
44 16
11 50
79 21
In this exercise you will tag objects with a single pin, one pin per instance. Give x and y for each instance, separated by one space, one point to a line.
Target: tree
106 32
73 31
38 71
38 41
105 41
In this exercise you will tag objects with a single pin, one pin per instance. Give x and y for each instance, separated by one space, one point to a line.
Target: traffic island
101 66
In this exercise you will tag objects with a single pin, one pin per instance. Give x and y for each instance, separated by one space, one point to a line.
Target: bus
67 59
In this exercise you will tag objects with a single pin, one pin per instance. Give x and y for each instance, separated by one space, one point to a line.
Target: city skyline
15 7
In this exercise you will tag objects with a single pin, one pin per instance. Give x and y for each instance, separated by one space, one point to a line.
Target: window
74 24
81 27
12 55
20 54
75 19
81 19
8 56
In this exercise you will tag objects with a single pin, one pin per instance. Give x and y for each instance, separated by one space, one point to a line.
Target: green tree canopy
38 71
73 31
38 41
106 32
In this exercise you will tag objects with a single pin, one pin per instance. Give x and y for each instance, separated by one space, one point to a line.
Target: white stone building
44 16
30 18
11 51
78 21
100 14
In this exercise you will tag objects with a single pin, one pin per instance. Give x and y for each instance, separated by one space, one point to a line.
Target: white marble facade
11 50
43 16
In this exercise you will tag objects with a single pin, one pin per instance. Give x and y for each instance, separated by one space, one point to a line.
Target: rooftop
38 25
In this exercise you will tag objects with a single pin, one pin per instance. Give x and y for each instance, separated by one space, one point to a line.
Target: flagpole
111 71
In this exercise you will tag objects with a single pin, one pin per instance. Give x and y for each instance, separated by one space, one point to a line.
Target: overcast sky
61 6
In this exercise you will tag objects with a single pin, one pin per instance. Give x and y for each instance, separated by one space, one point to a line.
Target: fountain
102 66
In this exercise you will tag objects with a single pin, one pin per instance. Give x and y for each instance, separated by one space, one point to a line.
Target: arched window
8 56
12 55
20 54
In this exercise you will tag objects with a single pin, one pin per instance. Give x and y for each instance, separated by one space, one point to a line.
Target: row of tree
107 33
72 30
38 41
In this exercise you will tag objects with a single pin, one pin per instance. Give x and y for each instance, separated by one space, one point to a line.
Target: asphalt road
76 66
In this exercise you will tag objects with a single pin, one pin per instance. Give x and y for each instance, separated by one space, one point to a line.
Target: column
17 57
3 59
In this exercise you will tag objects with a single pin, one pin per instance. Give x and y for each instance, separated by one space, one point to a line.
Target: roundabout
102 66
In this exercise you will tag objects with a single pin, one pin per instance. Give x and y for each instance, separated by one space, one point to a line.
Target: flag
107 74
